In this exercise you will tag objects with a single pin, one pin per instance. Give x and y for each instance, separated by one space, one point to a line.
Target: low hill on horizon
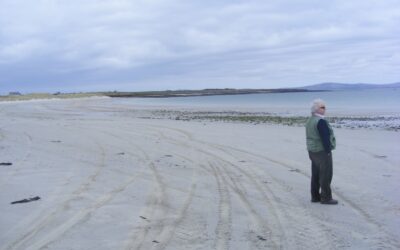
330 86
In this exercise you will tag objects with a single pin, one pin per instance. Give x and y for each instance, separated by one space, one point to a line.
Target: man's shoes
315 200
330 202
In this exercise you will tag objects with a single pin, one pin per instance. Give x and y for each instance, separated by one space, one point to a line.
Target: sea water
374 102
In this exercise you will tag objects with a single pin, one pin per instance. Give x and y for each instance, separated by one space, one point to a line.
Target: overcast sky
133 45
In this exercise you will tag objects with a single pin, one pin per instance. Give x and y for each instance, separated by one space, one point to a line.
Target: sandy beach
113 177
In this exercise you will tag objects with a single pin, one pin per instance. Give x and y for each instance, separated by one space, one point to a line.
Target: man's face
321 110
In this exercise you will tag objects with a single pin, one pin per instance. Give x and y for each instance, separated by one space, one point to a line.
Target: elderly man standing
320 143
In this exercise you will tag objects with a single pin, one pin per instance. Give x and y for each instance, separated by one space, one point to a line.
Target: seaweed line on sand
391 123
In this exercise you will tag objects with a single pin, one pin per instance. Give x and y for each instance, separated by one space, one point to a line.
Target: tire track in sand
18 162
46 220
160 224
225 182
301 227
27 154
163 221
386 241
224 225
84 214
81 216
261 227
302 223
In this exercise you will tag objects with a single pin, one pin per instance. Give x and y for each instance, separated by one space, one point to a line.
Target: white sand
109 179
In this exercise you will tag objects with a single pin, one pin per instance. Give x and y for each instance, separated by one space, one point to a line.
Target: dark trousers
321 175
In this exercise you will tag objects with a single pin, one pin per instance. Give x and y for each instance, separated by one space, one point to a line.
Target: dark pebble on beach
5 163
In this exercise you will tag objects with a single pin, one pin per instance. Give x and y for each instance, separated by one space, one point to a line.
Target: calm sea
350 102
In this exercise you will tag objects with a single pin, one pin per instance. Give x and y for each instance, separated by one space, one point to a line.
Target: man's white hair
316 104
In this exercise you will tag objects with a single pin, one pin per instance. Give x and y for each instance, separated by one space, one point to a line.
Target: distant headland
13 96
203 92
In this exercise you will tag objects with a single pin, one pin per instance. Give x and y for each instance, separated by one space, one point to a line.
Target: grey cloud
128 43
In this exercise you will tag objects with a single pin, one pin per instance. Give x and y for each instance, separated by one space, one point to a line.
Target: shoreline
373 121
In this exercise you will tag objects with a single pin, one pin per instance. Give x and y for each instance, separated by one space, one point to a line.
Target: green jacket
314 141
